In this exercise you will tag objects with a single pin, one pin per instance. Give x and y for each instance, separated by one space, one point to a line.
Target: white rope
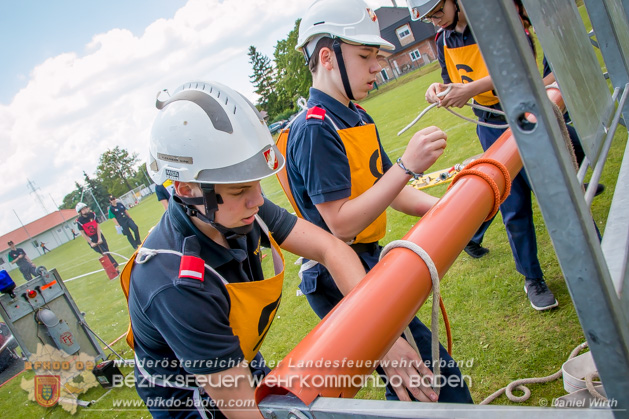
473 105
117 254
434 320
520 383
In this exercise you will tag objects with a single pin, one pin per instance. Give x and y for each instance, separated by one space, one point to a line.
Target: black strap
364 247
339 58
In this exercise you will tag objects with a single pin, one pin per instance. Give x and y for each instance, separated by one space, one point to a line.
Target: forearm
352 216
480 86
314 243
233 392
413 202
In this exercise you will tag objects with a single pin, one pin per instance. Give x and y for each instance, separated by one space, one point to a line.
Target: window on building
403 32
384 74
415 55
1 260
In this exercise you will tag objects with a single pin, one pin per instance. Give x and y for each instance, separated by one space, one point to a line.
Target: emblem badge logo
271 159
372 15
47 389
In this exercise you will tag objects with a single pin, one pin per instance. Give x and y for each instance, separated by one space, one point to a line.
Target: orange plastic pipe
360 330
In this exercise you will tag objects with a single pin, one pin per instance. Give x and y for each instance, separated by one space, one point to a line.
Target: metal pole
62 217
569 222
97 204
22 224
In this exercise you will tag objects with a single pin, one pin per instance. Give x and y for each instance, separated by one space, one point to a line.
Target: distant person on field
44 248
123 221
18 256
90 230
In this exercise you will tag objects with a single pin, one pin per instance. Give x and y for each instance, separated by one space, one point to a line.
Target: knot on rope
498 198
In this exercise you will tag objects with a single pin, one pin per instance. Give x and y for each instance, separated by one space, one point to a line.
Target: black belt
364 247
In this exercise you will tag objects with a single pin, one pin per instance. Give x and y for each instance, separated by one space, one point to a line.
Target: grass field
496 333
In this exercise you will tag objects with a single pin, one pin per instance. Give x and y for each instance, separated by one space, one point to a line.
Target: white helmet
420 8
349 20
79 207
208 133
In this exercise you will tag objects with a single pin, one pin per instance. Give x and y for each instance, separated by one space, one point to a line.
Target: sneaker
475 250
540 296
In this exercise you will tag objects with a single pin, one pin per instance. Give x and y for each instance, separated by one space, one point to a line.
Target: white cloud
76 106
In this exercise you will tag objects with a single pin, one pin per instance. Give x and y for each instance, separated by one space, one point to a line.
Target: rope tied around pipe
498 198
436 299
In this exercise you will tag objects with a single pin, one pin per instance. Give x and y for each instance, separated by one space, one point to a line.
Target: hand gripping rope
498 199
473 105
436 298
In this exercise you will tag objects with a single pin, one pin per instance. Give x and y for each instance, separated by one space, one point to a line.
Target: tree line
281 81
116 174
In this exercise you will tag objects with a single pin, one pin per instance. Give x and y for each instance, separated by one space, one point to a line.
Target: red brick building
414 42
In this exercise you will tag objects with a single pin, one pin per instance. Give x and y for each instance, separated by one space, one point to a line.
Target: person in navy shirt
123 220
464 71
18 256
199 303
340 178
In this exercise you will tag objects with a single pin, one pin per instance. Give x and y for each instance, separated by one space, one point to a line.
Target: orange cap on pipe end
345 346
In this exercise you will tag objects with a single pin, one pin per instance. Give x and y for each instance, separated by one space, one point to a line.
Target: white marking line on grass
88 274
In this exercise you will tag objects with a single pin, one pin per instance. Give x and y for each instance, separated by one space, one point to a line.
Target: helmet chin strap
210 201
336 45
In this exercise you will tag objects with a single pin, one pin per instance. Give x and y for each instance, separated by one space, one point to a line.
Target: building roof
391 18
37 227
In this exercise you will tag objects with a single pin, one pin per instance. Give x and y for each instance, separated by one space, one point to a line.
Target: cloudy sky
78 78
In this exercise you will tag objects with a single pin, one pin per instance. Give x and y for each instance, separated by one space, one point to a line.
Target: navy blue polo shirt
14 254
316 164
181 326
118 211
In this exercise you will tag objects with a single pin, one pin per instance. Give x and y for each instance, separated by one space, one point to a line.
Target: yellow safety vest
465 65
365 163
253 304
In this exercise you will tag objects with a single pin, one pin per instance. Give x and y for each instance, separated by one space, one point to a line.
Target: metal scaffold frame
595 272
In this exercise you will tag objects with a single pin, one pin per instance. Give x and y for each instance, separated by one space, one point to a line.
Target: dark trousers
517 215
102 249
131 230
28 270
323 294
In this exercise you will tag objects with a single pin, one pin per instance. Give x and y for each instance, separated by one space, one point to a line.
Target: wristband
414 175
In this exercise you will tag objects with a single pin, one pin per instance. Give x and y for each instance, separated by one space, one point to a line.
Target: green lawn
492 321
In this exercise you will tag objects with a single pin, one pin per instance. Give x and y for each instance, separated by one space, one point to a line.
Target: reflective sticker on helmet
416 14
172 174
174 159
372 15
271 159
